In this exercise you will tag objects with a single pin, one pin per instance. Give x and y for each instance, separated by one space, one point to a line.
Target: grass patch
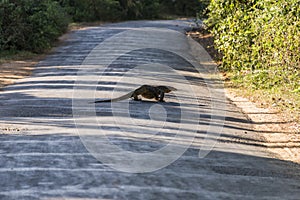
282 98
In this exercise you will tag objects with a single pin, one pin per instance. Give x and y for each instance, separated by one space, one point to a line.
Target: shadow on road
56 166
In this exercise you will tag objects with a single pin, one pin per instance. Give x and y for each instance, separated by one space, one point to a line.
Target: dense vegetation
91 10
30 25
259 40
33 25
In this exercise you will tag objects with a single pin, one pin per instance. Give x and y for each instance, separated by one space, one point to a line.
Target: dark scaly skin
146 91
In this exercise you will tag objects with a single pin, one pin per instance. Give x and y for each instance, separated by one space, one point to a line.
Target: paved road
55 144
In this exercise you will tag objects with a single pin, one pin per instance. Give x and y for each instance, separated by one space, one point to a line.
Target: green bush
189 8
276 45
259 40
92 10
30 25
111 10
142 9
150 9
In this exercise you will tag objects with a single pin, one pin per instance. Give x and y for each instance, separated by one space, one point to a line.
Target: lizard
146 91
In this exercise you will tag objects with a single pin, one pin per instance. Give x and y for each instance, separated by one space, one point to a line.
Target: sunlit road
56 144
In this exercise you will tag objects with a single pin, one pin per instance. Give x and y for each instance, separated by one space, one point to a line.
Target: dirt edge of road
13 70
279 135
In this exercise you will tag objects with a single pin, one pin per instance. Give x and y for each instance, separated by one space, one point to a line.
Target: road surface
56 144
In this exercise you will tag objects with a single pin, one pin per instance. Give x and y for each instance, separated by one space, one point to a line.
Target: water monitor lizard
146 91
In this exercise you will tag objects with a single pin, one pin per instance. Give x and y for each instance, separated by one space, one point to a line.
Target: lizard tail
124 97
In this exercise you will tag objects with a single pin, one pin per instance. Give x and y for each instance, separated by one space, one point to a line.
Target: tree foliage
259 40
92 10
188 8
33 25
30 25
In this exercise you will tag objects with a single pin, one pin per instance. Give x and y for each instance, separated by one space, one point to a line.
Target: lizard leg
161 97
135 97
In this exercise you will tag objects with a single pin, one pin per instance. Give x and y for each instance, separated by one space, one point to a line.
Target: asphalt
56 144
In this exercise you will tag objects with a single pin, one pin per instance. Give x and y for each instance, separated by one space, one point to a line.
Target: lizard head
167 89
171 88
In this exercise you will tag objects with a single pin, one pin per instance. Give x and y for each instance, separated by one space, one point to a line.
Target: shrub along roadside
260 43
30 25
